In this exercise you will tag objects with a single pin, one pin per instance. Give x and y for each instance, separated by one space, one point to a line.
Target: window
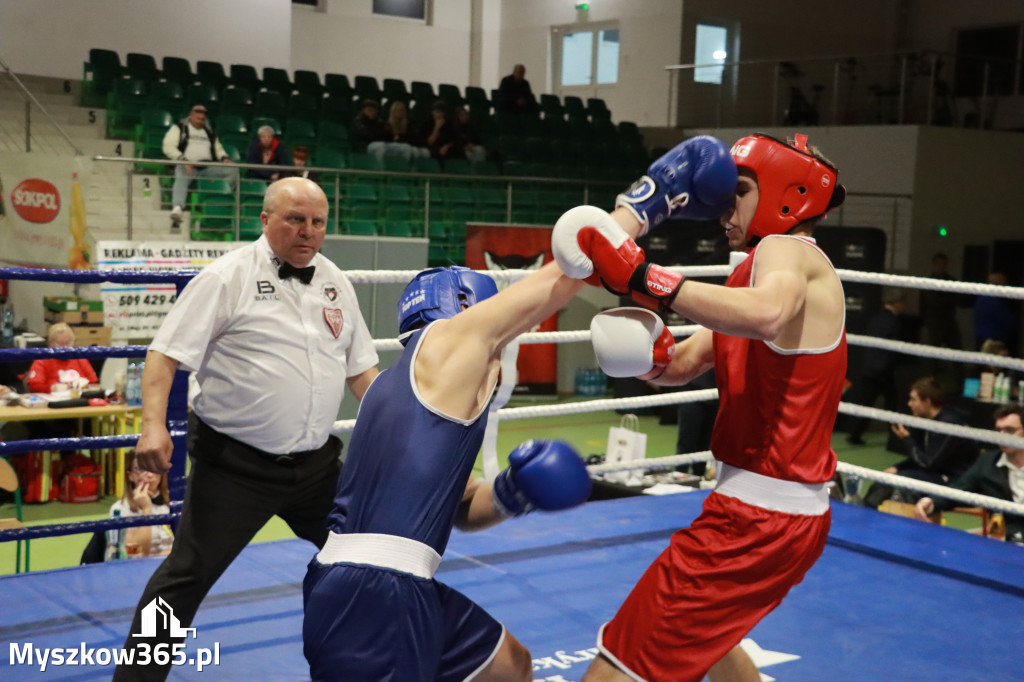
407 9
711 44
590 57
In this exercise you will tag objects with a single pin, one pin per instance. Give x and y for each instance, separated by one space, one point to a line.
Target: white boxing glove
631 342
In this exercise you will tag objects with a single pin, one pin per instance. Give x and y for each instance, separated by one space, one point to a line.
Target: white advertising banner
135 311
42 212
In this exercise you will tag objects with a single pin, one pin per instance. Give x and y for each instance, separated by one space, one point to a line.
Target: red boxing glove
589 245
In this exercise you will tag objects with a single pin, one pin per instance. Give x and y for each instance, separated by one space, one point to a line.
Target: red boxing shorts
710 587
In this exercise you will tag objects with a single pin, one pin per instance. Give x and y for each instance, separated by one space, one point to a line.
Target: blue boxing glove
542 474
694 181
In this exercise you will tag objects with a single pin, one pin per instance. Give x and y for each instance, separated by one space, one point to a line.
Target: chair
302 105
98 76
277 79
233 129
426 165
338 84
272 104
212 73
337 107
422 92
237 101
330 158
299 131
332 133
573 106
597 109
308 83
167 95
366 87
394 88
178 70
450 94
9 482
245 76
258 121
203 93
363 228
476 98
142 67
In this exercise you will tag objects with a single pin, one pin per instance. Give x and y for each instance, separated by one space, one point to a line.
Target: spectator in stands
996 473
440 133
192 139
514 93
933 457
404 140
300 158
994 317
266 149
71 372
468 137
145 494
367 127
876 374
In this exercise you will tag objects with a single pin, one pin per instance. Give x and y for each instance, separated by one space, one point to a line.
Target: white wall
348 38
649 40
53 37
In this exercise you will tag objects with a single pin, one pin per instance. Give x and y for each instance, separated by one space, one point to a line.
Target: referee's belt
287 460
381 551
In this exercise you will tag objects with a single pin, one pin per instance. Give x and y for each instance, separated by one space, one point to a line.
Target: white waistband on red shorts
382 551
789 497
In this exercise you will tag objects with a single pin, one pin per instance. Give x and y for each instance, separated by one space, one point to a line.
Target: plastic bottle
133 385
122 534
7 324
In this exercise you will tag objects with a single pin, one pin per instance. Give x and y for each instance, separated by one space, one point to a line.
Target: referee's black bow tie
304 275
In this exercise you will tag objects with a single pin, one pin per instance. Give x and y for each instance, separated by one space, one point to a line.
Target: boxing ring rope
177 407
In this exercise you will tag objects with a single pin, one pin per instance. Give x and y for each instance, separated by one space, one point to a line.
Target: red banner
518 247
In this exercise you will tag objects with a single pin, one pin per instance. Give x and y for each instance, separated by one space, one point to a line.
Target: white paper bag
626 444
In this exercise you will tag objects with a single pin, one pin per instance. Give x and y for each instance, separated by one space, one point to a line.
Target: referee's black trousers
233 490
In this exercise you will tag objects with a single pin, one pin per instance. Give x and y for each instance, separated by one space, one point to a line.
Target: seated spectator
996 473
515 94
441 135
468 137
145 494
401 141
367 127
192 139
266 149
933 457
73 372
300 158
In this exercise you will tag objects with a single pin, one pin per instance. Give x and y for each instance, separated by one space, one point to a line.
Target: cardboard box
71 310
92 336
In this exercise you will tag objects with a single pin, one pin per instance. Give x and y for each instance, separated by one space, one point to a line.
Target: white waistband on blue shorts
789 497
382 551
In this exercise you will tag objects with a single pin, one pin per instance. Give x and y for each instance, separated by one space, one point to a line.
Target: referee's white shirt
271 356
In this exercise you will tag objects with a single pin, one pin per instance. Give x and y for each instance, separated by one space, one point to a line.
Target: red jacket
45 373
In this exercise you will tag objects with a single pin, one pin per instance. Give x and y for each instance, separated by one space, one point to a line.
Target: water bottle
851 484
7 323
133 387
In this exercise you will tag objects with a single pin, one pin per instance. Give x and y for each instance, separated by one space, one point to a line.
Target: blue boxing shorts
376 624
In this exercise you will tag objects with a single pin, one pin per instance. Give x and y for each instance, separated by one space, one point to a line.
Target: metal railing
18 131
924 87
334 182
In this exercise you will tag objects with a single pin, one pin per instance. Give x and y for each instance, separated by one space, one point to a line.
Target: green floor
587 432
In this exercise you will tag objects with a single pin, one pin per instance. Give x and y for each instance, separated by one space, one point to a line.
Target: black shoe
854 440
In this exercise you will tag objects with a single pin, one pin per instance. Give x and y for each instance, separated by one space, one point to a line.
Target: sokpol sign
36 200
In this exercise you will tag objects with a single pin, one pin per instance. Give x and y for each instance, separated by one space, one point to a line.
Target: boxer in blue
373 610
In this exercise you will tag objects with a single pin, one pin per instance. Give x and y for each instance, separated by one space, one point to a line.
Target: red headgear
793 185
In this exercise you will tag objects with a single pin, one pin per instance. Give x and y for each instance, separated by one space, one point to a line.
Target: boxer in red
775 336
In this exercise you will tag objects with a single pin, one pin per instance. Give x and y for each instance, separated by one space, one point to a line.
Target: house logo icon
158 614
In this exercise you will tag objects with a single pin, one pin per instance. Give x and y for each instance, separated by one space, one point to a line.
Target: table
107 420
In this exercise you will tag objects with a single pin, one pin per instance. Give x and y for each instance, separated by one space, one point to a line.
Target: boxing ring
890 598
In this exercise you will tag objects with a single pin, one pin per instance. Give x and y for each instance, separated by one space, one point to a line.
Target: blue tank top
407 463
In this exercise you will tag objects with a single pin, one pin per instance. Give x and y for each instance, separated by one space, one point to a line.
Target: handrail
32 98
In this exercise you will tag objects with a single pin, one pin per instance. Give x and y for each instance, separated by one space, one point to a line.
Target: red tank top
776 407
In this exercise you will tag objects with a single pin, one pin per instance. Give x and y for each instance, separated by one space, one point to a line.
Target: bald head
295 219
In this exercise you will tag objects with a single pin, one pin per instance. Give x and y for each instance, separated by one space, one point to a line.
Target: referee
274 333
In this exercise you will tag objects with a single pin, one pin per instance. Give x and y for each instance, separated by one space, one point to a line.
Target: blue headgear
440 293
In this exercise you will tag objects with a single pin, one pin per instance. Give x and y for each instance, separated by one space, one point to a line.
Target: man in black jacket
933 457
996 473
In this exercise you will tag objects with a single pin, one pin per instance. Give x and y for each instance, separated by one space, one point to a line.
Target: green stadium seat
212 73
168 95
337 107
450 94
330 157
245 76
205 94
332 133
367 87
232 129
299 131
426 165
278 80
237 100
397 164
422 93
98 76
177 70
250 228
394 89
257 121
142 67
272 104
457 166
301 105
360 228
398 228
338 84
308 83
363 162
